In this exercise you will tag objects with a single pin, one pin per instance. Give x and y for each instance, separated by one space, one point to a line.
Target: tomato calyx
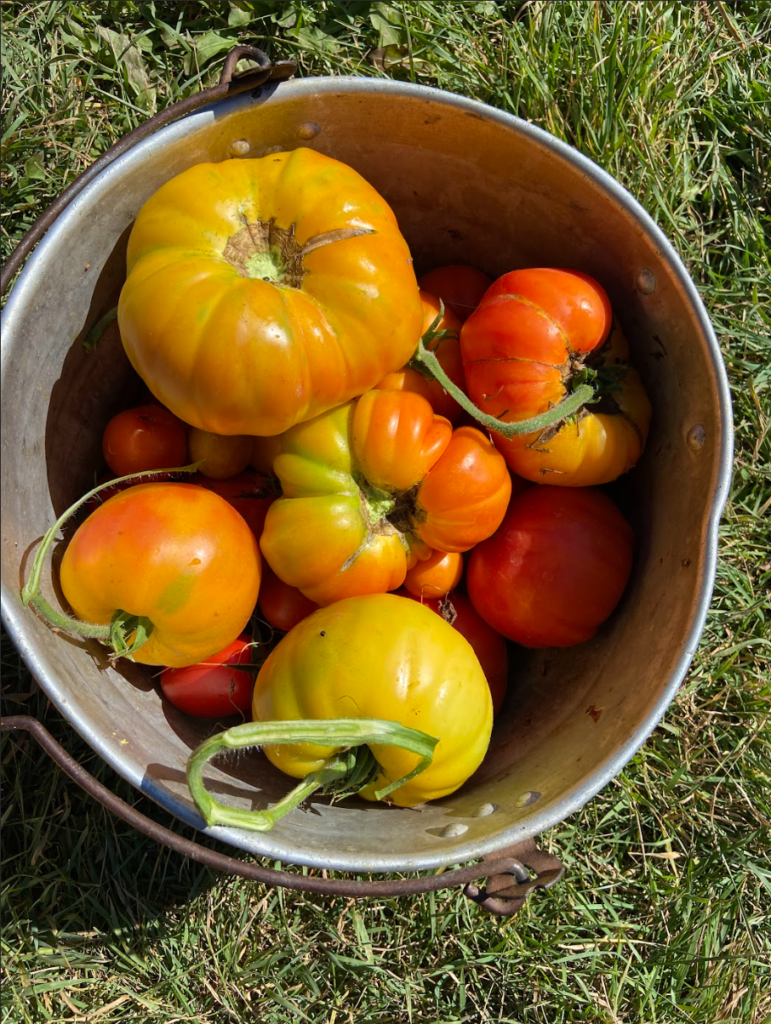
390 512
344 773
425 361
128 632
264 250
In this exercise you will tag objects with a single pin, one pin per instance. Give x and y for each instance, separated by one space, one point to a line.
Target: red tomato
250 493
282 606
489 646
459 287
147 437
555 569
213 688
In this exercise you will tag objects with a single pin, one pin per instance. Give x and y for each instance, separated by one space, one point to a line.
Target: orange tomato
370 486
535 332
146 437
175 554
436 575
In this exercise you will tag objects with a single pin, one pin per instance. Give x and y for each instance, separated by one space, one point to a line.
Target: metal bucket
469 184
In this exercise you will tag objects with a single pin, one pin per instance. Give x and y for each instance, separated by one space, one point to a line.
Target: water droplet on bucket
308 130
528 798
696 437
644 281
239 147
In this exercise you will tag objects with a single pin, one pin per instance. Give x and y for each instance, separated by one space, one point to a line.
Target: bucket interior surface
468 185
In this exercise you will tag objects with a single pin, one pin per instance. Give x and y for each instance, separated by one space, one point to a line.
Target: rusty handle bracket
508 881
230 84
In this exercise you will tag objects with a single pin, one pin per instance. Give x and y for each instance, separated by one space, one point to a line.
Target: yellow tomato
261 293
383 657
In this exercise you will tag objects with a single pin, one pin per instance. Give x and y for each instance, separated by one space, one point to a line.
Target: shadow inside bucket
93 385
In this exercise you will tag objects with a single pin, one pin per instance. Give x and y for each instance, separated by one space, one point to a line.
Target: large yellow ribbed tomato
384 657
261 293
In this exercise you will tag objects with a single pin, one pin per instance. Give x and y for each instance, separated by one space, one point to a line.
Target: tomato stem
425 362
343 769
92 338
126 633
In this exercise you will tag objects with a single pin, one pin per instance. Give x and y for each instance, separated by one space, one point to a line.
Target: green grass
665 913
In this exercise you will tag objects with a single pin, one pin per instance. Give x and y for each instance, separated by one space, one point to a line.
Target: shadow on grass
70 868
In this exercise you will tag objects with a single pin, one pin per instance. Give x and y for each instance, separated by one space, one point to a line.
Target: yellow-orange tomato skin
369 487
385 657
435 576
174 553
237 340
221 455
531 332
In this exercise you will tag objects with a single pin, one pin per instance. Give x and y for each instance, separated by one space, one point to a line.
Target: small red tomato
146 437
250 493
459 287
489 646
555 569
282 606
216 687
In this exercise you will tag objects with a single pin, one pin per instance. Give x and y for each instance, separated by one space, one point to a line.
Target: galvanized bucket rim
570 801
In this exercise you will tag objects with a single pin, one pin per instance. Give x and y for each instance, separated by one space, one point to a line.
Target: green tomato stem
346 733
92 338
123 624
425 362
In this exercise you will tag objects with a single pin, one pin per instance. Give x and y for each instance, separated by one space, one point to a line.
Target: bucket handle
230 84
508 881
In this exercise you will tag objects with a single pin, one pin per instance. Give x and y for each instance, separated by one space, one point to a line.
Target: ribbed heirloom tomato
383 657
488 644
262 292
176 555
535 334
370 486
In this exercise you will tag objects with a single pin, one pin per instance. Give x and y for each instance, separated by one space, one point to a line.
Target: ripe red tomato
146 437
282 606
555 569
250 493
459 287
215 687
489 646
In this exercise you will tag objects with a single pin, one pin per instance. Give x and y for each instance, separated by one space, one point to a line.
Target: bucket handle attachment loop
501 897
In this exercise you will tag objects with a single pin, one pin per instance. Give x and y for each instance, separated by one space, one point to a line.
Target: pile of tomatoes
272 310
